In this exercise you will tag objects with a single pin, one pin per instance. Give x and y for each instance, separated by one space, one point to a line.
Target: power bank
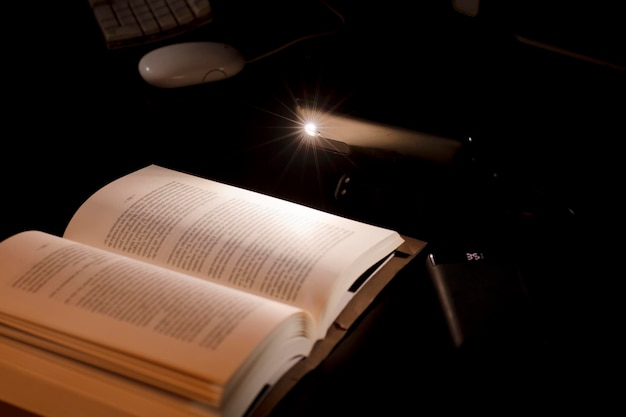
484 300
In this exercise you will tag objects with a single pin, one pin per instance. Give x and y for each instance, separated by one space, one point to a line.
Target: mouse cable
303 38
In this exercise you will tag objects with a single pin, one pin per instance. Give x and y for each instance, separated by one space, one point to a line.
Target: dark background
540 186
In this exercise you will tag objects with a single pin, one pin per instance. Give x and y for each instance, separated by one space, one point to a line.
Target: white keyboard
137 22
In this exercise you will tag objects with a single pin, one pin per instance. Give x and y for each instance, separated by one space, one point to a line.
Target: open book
171 294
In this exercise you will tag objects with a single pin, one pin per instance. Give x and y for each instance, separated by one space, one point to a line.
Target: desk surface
546 128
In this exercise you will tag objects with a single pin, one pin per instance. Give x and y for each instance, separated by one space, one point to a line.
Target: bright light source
311 129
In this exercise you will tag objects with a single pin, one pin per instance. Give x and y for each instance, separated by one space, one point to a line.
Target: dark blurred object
591 31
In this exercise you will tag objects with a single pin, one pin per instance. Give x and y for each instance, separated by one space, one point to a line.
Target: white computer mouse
190 63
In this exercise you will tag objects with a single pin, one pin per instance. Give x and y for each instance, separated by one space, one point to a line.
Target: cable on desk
303 38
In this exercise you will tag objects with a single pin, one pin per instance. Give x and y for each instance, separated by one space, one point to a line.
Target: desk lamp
337 133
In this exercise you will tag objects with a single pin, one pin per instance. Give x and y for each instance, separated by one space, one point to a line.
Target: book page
239 238
55 386
185 335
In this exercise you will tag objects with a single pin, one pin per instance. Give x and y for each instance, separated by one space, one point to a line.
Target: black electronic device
483 297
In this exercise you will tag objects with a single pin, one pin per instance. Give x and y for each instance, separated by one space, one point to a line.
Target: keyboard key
200 7
122 32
